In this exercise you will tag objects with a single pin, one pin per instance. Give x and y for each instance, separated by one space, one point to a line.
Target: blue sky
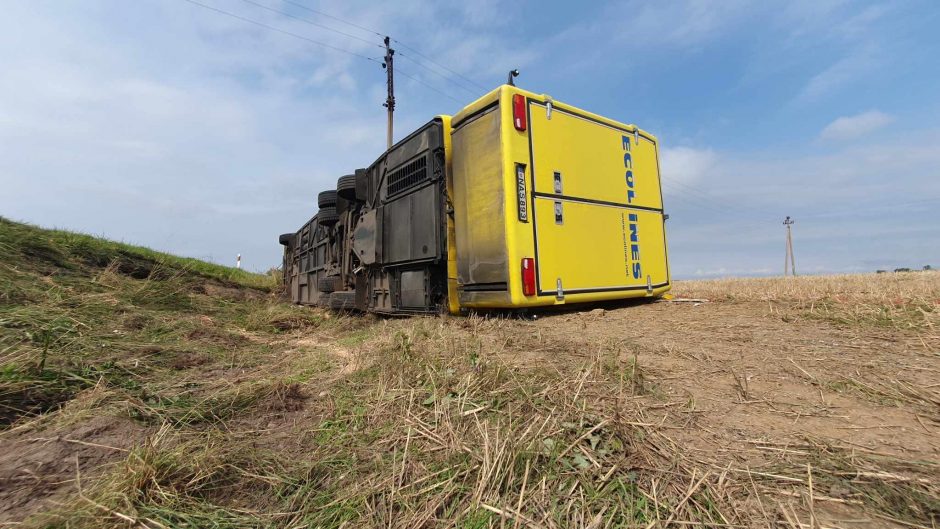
163 123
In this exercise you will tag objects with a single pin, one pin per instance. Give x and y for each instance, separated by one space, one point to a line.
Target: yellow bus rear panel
576 193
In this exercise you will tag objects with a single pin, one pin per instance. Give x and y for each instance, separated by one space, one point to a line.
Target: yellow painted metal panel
599 247
453 305
591 159
478 202
591 251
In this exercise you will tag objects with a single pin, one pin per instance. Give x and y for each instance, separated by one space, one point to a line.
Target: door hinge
558 183
548 106
559 292
559 218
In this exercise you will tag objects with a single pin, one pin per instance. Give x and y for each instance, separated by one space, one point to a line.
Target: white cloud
860 62
176 127
852 127
685 165
842 201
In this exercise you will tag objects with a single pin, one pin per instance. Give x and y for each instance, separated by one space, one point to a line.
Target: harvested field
190 397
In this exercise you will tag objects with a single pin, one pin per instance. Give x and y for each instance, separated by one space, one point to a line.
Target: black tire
327 216
286 239
326 199
346 187
342 205
326 285
345 300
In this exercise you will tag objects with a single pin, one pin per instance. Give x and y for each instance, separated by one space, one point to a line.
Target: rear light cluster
528 276
518 111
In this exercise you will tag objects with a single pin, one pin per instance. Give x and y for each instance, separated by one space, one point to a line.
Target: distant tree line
926 268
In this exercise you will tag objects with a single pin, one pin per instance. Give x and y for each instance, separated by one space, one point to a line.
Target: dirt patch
216 336
230 293
20 400
37 468
187 360
286 397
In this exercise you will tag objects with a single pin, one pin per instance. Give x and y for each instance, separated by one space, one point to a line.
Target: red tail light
528 276
518 111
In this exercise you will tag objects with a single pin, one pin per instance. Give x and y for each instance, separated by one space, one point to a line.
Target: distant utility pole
390 82
789 258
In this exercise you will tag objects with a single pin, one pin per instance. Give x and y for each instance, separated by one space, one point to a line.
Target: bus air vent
408 175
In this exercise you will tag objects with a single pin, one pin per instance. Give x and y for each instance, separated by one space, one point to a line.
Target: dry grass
425 433
904 301
169 400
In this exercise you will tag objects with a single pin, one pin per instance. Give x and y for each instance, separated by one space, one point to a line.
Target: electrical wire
418 80
432 61
327 15
330 46
396 41
285 32
311 22
437 73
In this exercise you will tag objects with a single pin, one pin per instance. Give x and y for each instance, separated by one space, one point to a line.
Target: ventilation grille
408 175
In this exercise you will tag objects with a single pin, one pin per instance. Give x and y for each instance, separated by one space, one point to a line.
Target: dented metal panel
479 196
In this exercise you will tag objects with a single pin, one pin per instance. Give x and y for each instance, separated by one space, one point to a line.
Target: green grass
77 311
66 251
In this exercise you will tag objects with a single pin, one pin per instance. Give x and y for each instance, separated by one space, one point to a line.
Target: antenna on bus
512 74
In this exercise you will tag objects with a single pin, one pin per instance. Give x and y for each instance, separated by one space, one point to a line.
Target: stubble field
142 390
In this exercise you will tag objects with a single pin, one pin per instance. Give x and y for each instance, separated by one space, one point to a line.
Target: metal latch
649 284
548 107
557 183
636 136
558 213
559 293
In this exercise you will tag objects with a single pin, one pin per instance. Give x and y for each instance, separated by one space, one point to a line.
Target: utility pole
789 259
390 82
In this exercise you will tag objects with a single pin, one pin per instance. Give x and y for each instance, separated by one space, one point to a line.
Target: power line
676 193
417 80
396 41
712 199
285 32
327 15
311 22
437 73
432 61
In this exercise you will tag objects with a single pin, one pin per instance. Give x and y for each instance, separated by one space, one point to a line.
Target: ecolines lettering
628 164
635 266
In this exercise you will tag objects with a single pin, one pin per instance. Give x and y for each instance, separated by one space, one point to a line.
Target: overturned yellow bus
517 201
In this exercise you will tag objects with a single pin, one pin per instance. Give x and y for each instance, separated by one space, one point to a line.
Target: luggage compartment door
597 205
